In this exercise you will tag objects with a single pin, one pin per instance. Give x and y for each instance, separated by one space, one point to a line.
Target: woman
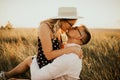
49 41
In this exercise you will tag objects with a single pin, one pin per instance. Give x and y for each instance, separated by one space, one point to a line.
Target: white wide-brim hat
67 13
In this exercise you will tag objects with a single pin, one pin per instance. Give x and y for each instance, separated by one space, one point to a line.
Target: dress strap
50 26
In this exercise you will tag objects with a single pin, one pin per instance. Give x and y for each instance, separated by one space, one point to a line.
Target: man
67 66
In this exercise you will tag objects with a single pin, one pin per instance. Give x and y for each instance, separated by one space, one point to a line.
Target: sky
29 13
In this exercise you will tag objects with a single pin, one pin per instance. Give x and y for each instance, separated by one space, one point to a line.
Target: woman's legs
22 67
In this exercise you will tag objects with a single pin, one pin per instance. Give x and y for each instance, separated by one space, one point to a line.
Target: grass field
101 56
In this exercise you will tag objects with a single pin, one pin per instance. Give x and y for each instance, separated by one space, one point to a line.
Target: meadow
101 59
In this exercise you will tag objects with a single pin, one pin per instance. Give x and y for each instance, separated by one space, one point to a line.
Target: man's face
74 32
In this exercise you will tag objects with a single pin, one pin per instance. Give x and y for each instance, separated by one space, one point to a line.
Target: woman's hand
77 50
81 53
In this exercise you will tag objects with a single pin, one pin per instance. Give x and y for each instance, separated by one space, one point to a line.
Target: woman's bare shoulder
44 30
43 26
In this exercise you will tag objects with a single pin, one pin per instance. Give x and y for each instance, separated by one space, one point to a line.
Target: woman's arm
45 35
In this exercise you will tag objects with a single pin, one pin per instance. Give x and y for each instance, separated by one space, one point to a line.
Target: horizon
28 14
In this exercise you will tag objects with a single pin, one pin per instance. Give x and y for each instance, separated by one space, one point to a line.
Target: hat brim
67 17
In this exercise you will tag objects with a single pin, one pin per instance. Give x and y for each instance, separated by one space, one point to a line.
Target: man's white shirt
66 65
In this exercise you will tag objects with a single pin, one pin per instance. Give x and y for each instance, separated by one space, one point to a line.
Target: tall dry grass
101 56
15 46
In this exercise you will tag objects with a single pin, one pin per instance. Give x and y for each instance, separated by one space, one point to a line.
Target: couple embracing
53 62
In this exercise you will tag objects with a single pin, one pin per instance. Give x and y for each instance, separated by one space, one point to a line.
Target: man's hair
87 35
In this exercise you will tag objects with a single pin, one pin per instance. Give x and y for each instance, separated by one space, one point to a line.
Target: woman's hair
54 25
